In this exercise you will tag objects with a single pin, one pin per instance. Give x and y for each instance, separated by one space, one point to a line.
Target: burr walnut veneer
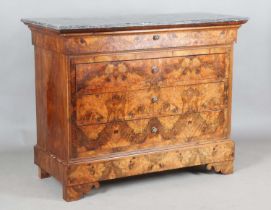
121 100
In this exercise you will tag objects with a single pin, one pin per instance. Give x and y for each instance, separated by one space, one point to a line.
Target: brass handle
154 69
154 99
154 130
156 37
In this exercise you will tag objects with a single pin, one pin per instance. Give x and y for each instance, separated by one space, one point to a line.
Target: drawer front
139 74
108 107
148 133
135 41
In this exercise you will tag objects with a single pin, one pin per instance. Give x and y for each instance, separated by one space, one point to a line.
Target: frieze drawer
146 40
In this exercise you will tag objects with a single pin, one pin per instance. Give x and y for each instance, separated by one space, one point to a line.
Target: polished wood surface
174 157
122 103
121 136
139 74
145 40
108 107
75 44
51 102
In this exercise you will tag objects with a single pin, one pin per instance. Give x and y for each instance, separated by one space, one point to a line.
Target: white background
247 188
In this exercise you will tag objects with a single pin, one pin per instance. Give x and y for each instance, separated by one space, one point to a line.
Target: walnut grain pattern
130 105
113 104
152 162
144 40
131 135
138 74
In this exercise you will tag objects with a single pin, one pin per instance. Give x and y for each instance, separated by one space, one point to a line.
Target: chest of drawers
117 98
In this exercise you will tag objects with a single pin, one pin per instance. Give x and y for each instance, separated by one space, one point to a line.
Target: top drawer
141 74
148 40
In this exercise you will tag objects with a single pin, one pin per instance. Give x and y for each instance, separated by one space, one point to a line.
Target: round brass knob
154 99
156 37
154 69
154 130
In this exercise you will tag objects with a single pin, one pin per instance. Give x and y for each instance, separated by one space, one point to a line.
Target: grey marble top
119 22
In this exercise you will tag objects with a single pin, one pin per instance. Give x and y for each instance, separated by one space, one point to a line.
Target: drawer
154 40
139 74
148 133
108 107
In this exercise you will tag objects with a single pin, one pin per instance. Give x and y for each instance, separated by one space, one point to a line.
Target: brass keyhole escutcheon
156 37
154 99
154 130
154 69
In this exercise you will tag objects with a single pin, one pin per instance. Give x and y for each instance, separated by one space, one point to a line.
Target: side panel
52 102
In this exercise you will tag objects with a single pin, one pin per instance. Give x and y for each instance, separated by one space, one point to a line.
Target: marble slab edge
66 25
